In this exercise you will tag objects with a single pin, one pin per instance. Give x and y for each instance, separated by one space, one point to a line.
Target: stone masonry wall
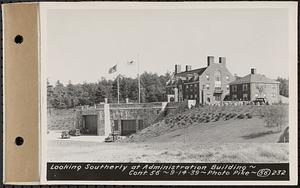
67 119
148 112
61 119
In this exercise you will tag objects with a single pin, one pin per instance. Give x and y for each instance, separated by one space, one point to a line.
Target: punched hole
18 39
19 141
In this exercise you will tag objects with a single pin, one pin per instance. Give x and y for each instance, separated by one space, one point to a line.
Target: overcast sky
83 44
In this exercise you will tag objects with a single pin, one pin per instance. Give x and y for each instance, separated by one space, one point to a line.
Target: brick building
253 86
207 85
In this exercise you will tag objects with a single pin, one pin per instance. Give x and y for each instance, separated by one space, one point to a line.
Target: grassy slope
231 131
212 124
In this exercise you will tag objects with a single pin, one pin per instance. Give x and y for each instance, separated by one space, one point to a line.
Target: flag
112 69
130 62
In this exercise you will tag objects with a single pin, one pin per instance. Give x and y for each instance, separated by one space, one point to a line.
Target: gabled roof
191 72
254 78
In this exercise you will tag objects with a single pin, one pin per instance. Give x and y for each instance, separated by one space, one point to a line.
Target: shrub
167 121
241 116
249 116
228 116
217 119
275 117
284 137
200 120
183 106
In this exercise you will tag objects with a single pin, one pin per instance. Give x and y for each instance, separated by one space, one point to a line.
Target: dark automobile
112 137
260 101
74 132
65 135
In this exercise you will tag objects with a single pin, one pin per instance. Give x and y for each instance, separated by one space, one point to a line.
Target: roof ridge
192 70
255 78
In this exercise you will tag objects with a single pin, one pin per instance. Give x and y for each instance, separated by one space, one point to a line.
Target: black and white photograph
163 89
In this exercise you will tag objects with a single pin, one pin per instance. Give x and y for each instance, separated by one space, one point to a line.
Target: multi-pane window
218 76
245 87
234 88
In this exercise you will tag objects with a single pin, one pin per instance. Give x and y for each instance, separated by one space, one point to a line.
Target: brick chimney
177 69
210 60
222 60
188 67
253 71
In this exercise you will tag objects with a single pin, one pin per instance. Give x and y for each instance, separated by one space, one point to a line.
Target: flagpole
118 83
118 87
139 81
